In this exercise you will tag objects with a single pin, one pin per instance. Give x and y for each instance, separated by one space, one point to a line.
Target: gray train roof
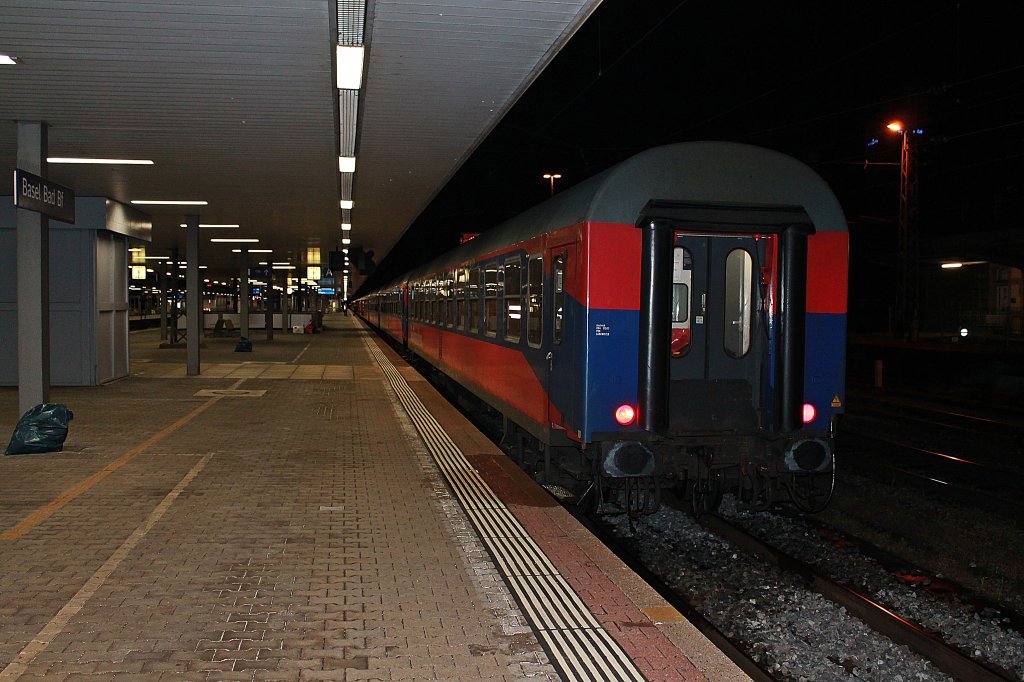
692 172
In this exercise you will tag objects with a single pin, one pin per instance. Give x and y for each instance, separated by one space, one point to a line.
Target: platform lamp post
552 177
907 301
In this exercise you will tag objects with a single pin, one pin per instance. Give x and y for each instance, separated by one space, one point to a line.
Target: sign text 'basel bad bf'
33 193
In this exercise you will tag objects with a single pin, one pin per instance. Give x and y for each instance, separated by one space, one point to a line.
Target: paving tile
306 547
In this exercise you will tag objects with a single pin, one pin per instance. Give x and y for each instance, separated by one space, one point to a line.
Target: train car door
719 345
559 381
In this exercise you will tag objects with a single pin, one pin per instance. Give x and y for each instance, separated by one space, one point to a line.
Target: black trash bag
42 429
244 346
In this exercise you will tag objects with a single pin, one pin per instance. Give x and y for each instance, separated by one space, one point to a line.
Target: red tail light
625 414
809 413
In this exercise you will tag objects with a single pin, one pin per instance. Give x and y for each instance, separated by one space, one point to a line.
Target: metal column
285 302
193 296
243 292
33 241
161 278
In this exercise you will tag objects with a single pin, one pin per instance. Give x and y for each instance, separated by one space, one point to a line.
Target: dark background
815 80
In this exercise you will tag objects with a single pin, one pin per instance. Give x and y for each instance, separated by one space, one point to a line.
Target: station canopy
252 108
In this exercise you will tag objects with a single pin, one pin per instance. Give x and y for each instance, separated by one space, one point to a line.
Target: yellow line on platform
54 505
41 641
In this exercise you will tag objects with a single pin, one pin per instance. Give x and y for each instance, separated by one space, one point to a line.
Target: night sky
815 80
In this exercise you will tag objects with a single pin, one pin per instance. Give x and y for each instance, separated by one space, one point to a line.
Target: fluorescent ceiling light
346 241
347 203
158 258
347 164
282 267
350 66
122 162
253 251
211 225
346 227
10 61
156 202
221 240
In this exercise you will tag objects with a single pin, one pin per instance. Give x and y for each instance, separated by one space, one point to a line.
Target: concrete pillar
161 278
174 294
33 242
285 303
268 305
243 292
193 296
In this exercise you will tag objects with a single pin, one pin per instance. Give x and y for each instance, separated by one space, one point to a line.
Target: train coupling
627 459
808 456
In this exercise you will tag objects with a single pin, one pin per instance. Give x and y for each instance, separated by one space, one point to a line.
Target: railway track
771 594
880 618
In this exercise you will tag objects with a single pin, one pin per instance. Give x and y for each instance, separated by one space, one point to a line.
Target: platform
312 510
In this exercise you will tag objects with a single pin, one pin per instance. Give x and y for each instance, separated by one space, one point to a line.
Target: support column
161 278
285 302
33 244
268 304
243 292
174 295
193 296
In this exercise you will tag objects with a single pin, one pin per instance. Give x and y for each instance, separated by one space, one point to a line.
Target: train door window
534 301
491 299
513 298
558 312
738 302
474 300
682 264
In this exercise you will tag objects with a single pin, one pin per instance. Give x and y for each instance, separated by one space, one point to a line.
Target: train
674 323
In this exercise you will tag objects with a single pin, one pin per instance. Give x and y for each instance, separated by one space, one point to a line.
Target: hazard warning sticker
836 402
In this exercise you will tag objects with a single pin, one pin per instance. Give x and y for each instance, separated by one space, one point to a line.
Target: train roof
712 173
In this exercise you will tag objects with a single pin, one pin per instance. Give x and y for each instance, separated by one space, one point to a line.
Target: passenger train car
678 320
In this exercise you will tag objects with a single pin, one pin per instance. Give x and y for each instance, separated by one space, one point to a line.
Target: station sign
261 273
37 194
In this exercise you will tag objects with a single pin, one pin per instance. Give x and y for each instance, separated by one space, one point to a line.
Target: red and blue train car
679 319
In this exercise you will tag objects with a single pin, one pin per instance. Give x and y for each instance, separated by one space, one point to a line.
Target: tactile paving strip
582 649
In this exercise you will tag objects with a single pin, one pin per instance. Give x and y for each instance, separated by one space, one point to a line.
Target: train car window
513 298
491 299
461 280
474 300
451 299
558 313
534 301
442 298
738 303
433 302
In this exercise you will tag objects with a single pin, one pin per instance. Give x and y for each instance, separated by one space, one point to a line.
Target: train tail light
625 414
809 413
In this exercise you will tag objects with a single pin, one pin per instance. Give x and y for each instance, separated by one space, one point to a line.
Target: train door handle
551 360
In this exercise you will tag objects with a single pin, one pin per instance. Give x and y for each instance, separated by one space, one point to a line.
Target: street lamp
552 177
907 303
